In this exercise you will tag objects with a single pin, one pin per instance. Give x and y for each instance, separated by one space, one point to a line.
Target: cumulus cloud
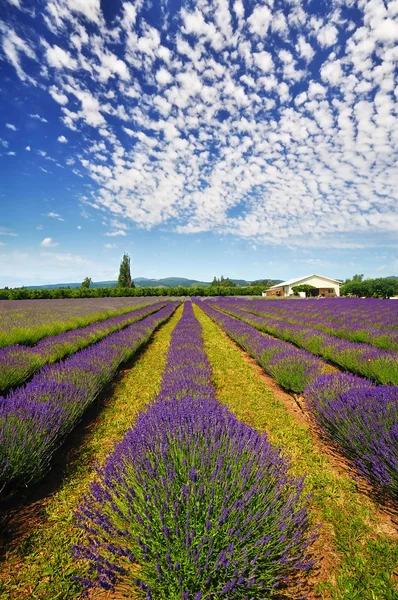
115 233
55 215
48 243
327 35
11 126
59 58
59 97
62 139
260 20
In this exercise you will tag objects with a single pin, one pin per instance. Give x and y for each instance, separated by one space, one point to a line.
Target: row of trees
41 294
381 287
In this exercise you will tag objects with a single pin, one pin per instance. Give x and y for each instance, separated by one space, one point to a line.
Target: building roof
298 279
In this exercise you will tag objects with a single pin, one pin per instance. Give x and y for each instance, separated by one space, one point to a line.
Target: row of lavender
361 417
29 321
192 503
18 363
35 418
378 365
359 320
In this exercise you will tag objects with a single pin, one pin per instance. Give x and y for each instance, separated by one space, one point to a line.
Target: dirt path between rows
296 407
27 510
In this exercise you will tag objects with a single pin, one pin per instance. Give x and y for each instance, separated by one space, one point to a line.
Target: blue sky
246 138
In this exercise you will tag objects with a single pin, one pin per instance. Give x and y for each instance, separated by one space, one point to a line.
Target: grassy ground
359 559
41 567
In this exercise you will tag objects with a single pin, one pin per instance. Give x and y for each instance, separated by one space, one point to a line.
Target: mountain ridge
147 282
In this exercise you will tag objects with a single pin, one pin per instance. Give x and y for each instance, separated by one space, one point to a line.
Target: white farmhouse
325 285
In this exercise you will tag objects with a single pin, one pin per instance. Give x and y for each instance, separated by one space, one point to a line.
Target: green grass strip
42 566
360 557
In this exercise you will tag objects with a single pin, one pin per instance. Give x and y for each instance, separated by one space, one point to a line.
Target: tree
222 282
86 283
124 279
382 287
309 290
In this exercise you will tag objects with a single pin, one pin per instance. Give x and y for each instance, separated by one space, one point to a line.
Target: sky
254 139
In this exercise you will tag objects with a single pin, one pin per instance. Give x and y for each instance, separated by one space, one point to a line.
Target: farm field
221 461
28 321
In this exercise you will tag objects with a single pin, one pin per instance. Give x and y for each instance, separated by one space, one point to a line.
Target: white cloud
163 77
16 3
115 233
260 20
264 61
91 9
39 118
305 49
7 231
79 227
55 215
28 148
331 72
14 46
220 136
11 126
71 258
386 30
48 243
327 35
110 246
118 224
62 139
59 58
11 153
58 96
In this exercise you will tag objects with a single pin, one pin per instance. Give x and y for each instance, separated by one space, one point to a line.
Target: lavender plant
292 368
35 419
359 320
295 370
363 420
193 504
29 321
18 363
360 358
352 411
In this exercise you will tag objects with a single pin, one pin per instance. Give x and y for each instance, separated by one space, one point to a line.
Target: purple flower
188 459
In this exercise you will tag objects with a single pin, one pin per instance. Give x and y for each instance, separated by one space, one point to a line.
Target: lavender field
29 321
200 483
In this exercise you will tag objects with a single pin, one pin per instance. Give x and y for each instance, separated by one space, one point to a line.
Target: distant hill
165 282
169 282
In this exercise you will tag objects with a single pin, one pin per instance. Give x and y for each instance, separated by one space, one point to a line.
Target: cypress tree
124 279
